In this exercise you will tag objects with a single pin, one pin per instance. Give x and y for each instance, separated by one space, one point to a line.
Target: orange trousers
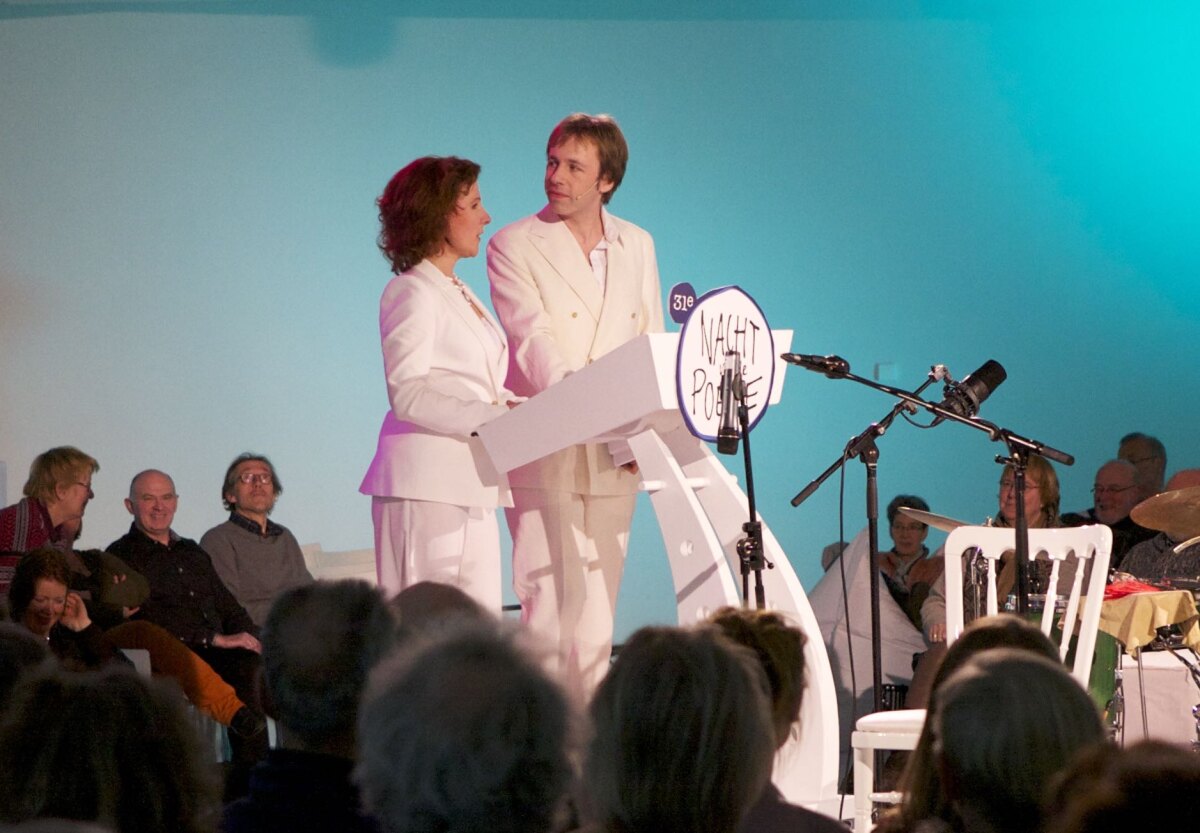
171 658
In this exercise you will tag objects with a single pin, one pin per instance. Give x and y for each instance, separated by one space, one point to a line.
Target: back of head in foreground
923 793
1005 724
683 736
320 642
464 732
427 608
106 746
779 646
1150 785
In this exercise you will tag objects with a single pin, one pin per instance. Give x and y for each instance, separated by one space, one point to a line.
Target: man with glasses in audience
56 496
255 557
1115 494
907 569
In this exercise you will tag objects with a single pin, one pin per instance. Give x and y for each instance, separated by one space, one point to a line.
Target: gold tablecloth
1134 618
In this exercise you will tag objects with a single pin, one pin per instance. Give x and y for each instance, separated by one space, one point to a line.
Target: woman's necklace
462 287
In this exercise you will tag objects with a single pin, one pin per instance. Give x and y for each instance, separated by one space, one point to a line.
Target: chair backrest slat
1091 546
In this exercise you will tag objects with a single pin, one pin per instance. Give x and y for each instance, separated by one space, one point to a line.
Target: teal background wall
187 261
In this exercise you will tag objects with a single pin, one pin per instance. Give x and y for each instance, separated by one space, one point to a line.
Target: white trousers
420 540
568 555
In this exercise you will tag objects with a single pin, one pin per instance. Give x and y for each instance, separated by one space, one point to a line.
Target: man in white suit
569 284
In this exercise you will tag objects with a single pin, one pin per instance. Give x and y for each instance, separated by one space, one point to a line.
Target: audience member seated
41 601
1005 724
319 643
1155 560
110 590
1115 494
682 735
1150 457
907 569
20 653
1148 786
1041 511
255 557
924 797
189 601
38 599
779 647
107 747
467 732
57 491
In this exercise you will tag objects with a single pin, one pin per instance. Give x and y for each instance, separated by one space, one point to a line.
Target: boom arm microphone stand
1019 449
863 446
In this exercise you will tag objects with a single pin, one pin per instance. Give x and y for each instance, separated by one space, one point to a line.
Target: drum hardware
1196 714
1176 513
1170 639
975 586
1114 713
942 522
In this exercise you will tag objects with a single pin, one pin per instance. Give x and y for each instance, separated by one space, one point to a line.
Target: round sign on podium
722 321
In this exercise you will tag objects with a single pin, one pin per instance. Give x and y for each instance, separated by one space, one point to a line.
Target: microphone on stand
965 397
831 366
727 433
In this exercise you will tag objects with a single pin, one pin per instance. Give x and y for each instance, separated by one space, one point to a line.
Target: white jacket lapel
556 244
459 306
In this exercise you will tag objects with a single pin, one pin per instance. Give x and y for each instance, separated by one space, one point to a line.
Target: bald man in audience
188 599
1156 560
1115 492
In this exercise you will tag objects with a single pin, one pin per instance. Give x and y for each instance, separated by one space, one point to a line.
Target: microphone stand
1019 460
1019 448
750 547
863 446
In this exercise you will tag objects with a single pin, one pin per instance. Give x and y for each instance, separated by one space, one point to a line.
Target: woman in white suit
434 490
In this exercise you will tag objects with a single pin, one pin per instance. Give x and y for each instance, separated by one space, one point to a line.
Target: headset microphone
583 193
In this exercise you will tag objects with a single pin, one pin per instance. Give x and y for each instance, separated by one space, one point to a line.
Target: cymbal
936 521
1176 513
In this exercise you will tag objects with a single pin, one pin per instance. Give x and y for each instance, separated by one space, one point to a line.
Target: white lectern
629 394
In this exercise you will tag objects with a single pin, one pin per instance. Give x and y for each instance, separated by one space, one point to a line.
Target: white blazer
445 371
558 321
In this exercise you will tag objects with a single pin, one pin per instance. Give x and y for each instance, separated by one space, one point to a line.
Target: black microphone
965 397
727 433
831 366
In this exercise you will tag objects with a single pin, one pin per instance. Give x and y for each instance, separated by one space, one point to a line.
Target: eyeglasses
261 478
1110 490
1139 460
1030 486
87 487
912 527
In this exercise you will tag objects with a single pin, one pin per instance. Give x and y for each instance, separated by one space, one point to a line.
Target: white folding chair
1091 545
